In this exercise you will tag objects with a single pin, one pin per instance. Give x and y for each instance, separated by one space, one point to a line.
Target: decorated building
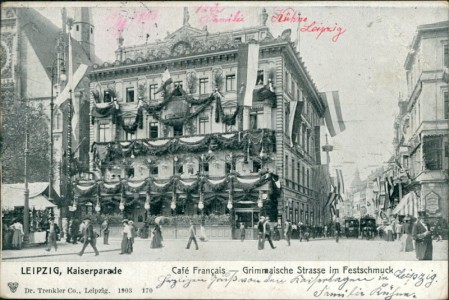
421 142
205 123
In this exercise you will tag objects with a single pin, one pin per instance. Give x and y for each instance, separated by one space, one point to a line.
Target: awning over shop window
13 196
408 205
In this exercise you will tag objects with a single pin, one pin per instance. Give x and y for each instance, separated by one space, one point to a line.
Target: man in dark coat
192 236
288 231
89 237
261 237
423 237
105 230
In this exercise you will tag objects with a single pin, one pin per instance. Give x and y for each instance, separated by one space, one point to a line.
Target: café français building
175 131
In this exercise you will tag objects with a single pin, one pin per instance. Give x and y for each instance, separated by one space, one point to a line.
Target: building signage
432 202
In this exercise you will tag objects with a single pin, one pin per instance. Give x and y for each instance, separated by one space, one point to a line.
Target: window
130 94
298 168
293 169
152 90
256 166
179 169
107 97
229 128
230 83
256 119
154 130
203 125
104 132
205 167
308 179
178 83
203 86
259 80
446 105
127 136
130 173
303 172
433 153
154 170
446 55
177 130
58 120
228 168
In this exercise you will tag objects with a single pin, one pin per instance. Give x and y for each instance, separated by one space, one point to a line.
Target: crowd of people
409 233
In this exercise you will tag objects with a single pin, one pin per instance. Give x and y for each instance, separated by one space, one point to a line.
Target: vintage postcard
224 150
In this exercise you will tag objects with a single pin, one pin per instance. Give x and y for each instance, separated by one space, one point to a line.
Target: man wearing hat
89 237
52 234
423 237
192 236
260 230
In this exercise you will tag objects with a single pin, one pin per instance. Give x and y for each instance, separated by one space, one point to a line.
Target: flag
248 64
294 119
72 81
340 182
333 115
166 80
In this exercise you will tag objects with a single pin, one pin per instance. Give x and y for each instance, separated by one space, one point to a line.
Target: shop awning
13 196
408 205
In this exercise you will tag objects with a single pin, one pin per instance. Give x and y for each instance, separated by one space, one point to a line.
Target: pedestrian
260 233
133 230
126 235
288 231
242 232
75 231
337 230
156 241
192 235
52 234
423 237
89 237
105 230
17 235
267 232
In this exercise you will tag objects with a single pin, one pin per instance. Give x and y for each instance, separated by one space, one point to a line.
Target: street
230 250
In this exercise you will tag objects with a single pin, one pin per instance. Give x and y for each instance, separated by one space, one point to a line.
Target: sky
365 63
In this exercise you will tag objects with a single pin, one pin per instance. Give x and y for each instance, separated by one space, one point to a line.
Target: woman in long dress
17 235
156 241
407 235
125 238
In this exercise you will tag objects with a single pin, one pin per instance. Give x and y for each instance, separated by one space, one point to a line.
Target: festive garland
175 183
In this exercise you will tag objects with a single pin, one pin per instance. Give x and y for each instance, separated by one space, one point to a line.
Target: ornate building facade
421 140
194 147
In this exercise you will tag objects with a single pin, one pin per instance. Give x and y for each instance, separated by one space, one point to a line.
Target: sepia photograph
190 140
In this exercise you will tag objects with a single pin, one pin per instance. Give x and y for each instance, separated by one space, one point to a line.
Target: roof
419 32
13 195
43 34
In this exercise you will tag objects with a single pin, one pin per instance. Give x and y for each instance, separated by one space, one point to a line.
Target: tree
12 137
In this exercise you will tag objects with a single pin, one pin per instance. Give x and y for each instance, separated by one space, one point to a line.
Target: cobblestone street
231 250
